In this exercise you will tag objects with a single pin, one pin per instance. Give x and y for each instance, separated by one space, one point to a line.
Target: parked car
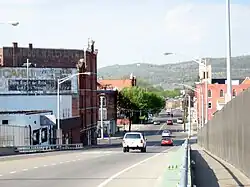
134 140
166 133
167 141
170 122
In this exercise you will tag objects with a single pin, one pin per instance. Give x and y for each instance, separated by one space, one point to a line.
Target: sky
129 31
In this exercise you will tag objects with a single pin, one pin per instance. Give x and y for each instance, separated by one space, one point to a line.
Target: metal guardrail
185 180
47 148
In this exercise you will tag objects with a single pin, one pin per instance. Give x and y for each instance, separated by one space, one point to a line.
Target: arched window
221 93
209 94
234 92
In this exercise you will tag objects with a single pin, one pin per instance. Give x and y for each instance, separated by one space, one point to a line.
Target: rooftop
26 112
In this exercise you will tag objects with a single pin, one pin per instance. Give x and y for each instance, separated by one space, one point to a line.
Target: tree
136 101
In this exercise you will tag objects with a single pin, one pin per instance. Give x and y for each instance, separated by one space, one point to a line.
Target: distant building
173 103
217 93
118 84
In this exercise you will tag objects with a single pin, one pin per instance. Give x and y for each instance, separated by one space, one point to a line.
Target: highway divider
178 171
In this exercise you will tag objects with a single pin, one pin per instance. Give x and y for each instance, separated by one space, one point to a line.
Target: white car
166 133
179 121
134 140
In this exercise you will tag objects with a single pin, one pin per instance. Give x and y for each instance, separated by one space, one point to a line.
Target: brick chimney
15 49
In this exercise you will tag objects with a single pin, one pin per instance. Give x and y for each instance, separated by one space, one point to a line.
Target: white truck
134 140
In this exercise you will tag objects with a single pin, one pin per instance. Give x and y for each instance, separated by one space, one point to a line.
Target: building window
209 94
221 93
104 101
5 122
209 105
234 92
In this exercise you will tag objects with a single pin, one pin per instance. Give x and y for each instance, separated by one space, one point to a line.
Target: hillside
184 72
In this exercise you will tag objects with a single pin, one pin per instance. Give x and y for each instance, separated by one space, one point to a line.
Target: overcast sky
129 31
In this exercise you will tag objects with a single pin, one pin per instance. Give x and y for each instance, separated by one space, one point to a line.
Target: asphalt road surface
108 167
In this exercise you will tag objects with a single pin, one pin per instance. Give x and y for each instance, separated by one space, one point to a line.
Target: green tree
136 101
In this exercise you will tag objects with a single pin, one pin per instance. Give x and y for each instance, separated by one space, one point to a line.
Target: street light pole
27 72
101 100
189 113
206 90
59 82
229 70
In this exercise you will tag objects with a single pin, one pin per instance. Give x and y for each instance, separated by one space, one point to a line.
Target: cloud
200 28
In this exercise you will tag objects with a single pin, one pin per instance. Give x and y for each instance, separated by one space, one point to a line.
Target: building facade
109 110
82 88
16 56
216 94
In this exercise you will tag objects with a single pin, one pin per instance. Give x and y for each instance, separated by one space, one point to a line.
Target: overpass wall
227 135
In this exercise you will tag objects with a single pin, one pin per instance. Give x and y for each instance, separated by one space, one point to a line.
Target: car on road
170 122
167 141
179 121
166 133
134 140
157 123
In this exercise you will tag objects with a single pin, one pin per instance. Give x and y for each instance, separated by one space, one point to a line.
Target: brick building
109 109
82 128
216 94
16 56
118 85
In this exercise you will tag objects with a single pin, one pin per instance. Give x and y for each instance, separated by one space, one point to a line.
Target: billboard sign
40 80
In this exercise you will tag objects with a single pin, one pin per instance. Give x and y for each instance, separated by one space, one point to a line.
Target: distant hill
184 72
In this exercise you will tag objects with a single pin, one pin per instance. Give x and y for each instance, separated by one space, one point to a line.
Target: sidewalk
211 171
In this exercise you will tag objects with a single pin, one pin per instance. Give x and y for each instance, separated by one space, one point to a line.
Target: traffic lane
14 163
103 145
22 165
90 173
146 173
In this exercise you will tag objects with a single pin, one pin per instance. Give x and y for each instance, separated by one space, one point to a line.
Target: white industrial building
37 102
23 90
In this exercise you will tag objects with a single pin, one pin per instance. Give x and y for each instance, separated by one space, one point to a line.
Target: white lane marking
24 169
45 165
160 128
104 183
53 164
61 162
12 172
78 159
1 175
35 167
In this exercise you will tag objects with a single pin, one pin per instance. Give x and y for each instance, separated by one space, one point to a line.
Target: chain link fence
12 135
227 134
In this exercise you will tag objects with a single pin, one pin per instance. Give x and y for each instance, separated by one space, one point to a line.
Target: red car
167 141
169 122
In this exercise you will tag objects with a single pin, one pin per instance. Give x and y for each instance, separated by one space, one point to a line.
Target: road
108 167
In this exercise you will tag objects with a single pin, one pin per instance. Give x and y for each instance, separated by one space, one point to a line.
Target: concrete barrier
5 151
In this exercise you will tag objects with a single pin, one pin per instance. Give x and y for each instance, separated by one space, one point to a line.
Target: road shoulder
210 170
